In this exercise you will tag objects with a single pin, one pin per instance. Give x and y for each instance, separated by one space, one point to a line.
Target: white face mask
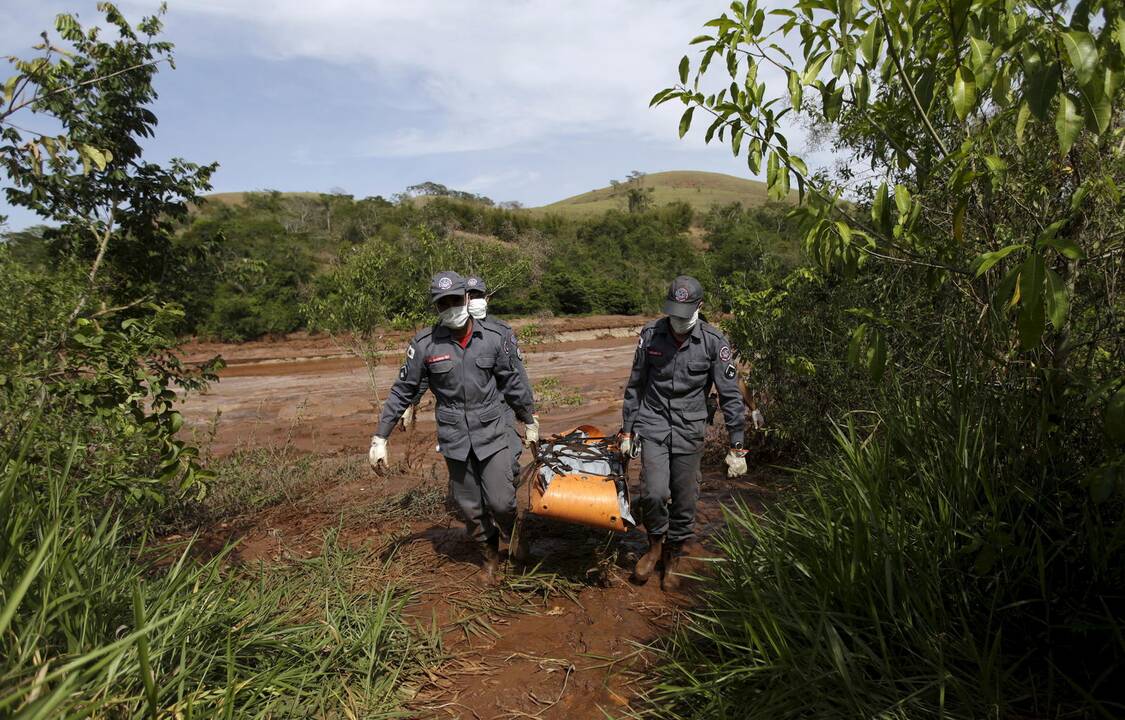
682 326
478 308
454 317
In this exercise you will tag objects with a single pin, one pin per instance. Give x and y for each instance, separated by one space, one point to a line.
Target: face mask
454 317
682 326
478 308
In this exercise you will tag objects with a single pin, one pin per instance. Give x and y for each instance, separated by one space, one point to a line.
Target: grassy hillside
701 190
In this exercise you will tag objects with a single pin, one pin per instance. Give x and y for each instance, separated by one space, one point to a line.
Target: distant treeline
269 263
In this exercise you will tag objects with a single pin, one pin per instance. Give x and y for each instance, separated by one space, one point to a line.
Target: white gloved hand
629 447
407 418
531 431
736 463
378 452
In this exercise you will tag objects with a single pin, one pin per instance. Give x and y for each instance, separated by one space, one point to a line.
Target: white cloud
495 74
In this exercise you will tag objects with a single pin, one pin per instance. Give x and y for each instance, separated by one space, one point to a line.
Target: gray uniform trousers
484 492
671 490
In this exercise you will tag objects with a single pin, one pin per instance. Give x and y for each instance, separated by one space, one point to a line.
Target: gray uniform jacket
517 360
472 387
665 398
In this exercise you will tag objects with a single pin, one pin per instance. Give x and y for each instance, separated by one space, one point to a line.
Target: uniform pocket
448 415
486 362
440 367
490 414
698 366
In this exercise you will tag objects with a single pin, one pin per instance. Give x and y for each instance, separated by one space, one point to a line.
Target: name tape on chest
655 353
431 359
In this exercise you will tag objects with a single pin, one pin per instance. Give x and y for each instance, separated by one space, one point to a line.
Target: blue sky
530 101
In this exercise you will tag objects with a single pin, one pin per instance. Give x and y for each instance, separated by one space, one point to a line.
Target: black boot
669 580
647 562
490 559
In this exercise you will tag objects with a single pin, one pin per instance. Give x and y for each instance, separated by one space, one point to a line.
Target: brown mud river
566 641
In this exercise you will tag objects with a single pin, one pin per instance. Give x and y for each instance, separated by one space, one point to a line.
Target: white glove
629 448
736 463
378 452
407 418
759 421
531 431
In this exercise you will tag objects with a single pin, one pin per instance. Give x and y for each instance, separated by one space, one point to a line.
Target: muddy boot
520 550
490 560
647 562
669 581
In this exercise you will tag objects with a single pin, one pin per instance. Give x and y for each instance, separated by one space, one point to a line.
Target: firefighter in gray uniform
677 359
477 292
472 370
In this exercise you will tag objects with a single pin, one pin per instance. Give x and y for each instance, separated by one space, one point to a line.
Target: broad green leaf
685 120
1041 85
902 199
1021 122
1115 417
877 357
661 96
700 39
856 343
1065 246
1121 32
980 59
870 44
1056 299
881 210
987 260
795 90
845 232
685 66
1083 54
1031 319
1095 104
736 140
10 88
1068 123
812 70
964 92
754 156
798 165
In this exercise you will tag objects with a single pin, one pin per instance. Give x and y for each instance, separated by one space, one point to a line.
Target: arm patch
730 372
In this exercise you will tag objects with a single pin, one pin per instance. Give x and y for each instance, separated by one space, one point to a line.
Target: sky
526 100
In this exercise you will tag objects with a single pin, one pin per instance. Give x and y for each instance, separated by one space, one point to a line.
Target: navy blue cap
475 283
684 297
445 283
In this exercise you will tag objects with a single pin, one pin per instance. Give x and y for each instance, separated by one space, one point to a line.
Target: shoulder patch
730 372
402 373
513 339
519 353
410 352
724 354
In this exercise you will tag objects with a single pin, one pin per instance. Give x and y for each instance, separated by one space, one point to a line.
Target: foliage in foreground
93 622
960 553
932 570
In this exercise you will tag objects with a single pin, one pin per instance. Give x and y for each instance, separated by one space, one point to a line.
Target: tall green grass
94 624
944 566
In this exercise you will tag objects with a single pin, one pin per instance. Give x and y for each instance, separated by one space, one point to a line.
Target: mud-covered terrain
563 638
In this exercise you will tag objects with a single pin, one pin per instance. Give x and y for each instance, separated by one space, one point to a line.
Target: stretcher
579 477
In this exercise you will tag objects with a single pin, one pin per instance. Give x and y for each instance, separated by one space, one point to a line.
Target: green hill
701 190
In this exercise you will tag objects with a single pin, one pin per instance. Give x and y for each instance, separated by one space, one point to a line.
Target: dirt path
565 640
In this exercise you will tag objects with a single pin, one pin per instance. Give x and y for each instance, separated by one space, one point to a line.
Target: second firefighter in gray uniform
472 370
664 416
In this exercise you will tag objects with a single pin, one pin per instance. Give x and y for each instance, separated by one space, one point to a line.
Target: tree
99 372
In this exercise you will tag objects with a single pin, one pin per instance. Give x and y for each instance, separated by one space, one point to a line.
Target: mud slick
564 635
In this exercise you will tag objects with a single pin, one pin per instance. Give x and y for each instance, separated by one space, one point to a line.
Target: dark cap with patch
445 283
684 297
475 283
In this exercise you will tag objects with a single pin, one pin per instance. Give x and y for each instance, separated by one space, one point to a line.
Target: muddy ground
562 639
